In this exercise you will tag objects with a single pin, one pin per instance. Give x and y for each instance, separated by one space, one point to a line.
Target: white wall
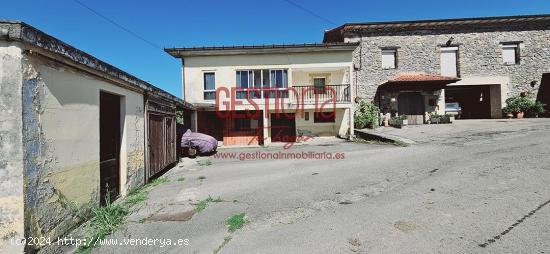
61 140
70 123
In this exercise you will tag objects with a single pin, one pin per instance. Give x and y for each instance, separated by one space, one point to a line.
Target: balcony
306 95
320 94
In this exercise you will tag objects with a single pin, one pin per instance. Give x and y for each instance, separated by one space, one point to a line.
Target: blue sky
185 23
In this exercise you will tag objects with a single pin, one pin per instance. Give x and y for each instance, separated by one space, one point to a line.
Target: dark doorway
283 127
209 122
109 142
543 94
411 104
475 101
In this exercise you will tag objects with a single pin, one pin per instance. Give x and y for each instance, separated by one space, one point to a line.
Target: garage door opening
544 92
475 101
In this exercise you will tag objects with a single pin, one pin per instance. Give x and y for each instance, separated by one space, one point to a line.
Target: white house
288 91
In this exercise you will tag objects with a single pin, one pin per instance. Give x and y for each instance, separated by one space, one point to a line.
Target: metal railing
300 94
320 94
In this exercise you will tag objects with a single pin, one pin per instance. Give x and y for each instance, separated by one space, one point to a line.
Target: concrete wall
11 153
480 56
308 127
61 143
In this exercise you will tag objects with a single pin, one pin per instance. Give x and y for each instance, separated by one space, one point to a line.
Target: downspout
146 136
183 79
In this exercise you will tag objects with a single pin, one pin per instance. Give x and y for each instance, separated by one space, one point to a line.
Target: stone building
73 131
414 67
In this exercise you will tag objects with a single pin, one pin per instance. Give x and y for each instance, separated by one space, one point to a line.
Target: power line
310 12
118 25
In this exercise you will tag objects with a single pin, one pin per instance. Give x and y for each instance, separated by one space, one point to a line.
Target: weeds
105 221
203 204
235 222
157 182
181 179
225 241
136 197
200 178
108 218
206 162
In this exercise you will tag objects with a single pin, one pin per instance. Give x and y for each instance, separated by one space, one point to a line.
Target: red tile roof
419 77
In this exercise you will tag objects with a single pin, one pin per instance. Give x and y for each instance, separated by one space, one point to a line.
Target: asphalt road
474 187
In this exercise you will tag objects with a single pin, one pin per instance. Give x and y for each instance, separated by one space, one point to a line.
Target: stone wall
480 55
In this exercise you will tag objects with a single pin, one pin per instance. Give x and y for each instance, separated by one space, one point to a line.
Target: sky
143 28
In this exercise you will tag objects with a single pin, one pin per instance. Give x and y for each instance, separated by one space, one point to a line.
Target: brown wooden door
156 144
109 141
170 141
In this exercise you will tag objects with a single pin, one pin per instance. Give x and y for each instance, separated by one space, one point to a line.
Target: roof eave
258 50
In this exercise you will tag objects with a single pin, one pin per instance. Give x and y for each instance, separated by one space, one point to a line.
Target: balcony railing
320 94
300 94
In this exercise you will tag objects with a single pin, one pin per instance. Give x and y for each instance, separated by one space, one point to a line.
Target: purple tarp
201 142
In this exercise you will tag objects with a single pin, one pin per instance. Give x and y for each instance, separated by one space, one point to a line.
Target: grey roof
260 49
337 34
22 32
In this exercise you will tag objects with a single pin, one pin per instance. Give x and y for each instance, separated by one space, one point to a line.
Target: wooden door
109 141
170 141
156 144
412 105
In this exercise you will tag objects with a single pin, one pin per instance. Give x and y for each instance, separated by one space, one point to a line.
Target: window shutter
448 61
509 54
388 59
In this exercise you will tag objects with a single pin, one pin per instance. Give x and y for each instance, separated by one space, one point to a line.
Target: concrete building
73 131
290 91
414 67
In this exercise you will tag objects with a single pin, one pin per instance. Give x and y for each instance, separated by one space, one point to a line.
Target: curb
370 134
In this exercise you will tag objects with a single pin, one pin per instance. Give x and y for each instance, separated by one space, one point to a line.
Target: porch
415 95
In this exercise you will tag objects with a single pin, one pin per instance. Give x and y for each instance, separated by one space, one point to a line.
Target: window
279 83
248 80
244 81
319 85
389 58
209 86
510 53
324 117
306 116
449 61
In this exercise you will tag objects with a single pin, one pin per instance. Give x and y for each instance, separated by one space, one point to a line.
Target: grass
235 222
157 182
106 220
225 241
136 197
203 204
206 162
201 178
181 179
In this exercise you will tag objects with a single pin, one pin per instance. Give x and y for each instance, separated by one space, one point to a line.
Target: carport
475 101
479 97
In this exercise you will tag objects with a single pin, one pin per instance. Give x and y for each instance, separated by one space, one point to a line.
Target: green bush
518 104
366 115
537 108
